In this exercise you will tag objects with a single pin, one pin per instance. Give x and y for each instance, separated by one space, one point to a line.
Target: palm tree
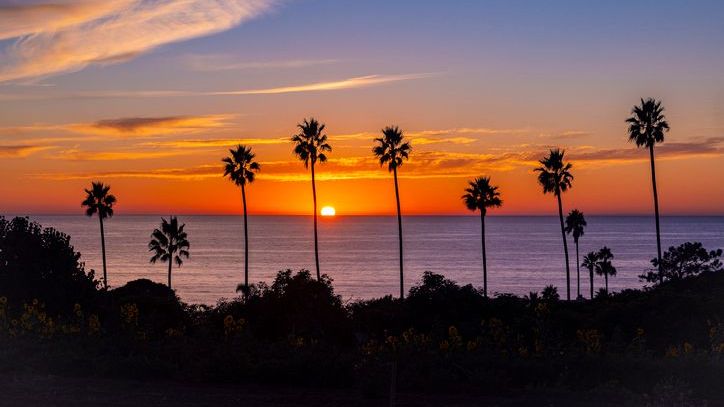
169 244
310 146
555 177
99 200
393 151
589 262
647 126
575 223
480 196
604 267
241 169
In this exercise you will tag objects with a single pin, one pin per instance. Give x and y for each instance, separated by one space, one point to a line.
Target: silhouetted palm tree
241 169
480 196
589 262
647 126
604 267
392 150
99 200
575 223
310 146
555 177
169 244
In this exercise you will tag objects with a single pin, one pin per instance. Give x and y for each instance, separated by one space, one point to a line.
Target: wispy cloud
61 38
82 155
20 151
201 143
144 126
351 83
222 62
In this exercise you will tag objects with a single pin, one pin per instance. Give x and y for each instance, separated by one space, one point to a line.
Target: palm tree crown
575 224
240 166
311 144
554 173
391 149
647 123
480 195
169 244
98 200
590 260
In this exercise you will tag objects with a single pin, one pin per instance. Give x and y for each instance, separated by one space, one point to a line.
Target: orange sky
153 114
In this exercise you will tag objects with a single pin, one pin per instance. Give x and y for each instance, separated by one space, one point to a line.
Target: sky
149 95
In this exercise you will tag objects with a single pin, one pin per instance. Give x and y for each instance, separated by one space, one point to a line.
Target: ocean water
360 252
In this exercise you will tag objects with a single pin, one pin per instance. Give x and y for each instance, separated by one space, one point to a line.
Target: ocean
360 253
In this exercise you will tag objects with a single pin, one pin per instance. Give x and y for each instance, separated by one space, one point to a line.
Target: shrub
40 263
686 260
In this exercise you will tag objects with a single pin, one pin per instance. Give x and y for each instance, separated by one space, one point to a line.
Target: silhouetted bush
40 263
296 305
686 260
146 307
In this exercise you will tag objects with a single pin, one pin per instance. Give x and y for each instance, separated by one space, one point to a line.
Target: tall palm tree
480 196
311 146
169 244
99 201
589 262
604 267
575 224
391 149
241 169
647 126
555 177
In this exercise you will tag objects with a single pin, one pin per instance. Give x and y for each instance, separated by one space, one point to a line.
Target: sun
328 211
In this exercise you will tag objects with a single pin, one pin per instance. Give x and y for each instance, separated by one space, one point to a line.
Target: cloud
216 62
200 143
81 155
70 36
20 151
351 83
26 19
145 126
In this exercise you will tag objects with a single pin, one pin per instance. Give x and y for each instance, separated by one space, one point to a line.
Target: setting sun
328 211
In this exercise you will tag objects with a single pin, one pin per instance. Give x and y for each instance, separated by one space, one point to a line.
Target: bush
687 260
40 263
144 305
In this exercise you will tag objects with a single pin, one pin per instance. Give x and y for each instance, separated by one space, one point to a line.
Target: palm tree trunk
578 272
246 243
605 277
591 276
170 265
485 260
103 253
316 244
399 231
565 247
656 212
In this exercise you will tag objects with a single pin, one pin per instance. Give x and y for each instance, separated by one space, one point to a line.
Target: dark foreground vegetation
659 346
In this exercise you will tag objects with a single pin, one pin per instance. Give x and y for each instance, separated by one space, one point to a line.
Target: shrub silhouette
686 260
295 304
158 307
40 263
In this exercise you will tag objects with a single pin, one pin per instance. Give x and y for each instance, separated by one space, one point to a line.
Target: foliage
240 166
575 224
481 195
310 145
554 174
686 260
391 149
99 200
647 123
41 263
